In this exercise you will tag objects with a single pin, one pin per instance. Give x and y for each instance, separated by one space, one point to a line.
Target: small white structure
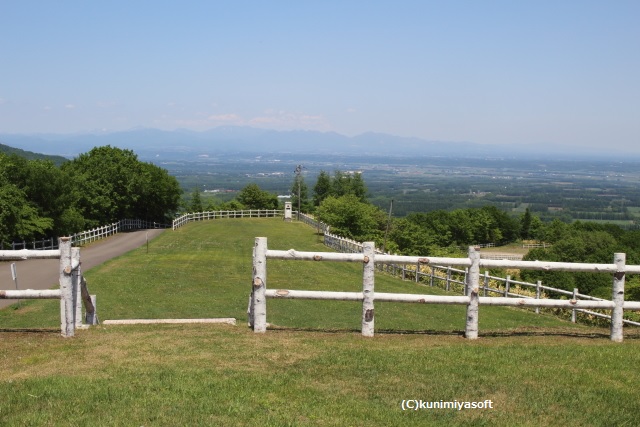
287 211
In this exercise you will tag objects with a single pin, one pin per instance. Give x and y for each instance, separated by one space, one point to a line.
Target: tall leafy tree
110 184
196 201
252 197
351 218
322 189
19 219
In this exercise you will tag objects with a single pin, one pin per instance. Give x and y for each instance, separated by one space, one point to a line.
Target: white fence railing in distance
88 236
248 213
472 299
320 226
98 233
42 244
72 291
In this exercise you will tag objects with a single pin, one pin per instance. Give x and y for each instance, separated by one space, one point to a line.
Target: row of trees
40 199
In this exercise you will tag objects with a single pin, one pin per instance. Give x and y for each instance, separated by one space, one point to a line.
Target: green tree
252 197
525 225
412 239
322 189
160 194
109 184
195 204
349 217
19 219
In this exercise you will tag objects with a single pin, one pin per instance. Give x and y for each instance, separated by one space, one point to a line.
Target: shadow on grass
632 335
31 330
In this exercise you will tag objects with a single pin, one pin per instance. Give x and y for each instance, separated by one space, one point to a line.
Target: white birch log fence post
258 315
448 284
473 278
619 260
368 279
507 286
538 284
67 308
433 273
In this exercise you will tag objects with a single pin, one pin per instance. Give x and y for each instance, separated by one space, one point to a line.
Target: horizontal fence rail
446 275
249 213
72 292
472 285
88 236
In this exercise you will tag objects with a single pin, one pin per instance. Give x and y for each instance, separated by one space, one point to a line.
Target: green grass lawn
313 367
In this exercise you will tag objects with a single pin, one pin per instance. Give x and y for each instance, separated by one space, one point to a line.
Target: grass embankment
315 369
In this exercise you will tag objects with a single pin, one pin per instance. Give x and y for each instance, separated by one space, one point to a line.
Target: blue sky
494 72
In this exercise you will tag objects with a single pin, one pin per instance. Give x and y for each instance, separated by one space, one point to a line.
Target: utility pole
298 172
384 245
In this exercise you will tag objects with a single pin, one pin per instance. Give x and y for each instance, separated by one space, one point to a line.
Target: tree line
40 199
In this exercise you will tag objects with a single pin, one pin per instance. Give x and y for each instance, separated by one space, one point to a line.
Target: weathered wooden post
507 286
448 283
258 315
538 284
91 314
67 308
368 278
76 275
619 259
471 329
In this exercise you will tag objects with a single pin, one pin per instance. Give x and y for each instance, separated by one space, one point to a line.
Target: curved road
44 273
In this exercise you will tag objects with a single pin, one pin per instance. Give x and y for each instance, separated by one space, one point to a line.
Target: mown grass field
313 368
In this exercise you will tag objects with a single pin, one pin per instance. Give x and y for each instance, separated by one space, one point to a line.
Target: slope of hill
58 160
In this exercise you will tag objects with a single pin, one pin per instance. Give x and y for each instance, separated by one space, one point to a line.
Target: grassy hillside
314 368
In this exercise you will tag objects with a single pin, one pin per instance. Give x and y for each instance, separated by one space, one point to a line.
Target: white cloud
226 118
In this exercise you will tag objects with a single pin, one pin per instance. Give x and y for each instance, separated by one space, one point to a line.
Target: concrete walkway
44 274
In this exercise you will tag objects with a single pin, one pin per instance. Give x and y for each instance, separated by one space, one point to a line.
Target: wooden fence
452 279
88 236
249 213
471 298
73 288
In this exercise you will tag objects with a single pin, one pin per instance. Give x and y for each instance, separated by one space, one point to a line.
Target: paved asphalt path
44 273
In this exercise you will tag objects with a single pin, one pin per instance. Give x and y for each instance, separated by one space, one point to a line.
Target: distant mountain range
185 144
